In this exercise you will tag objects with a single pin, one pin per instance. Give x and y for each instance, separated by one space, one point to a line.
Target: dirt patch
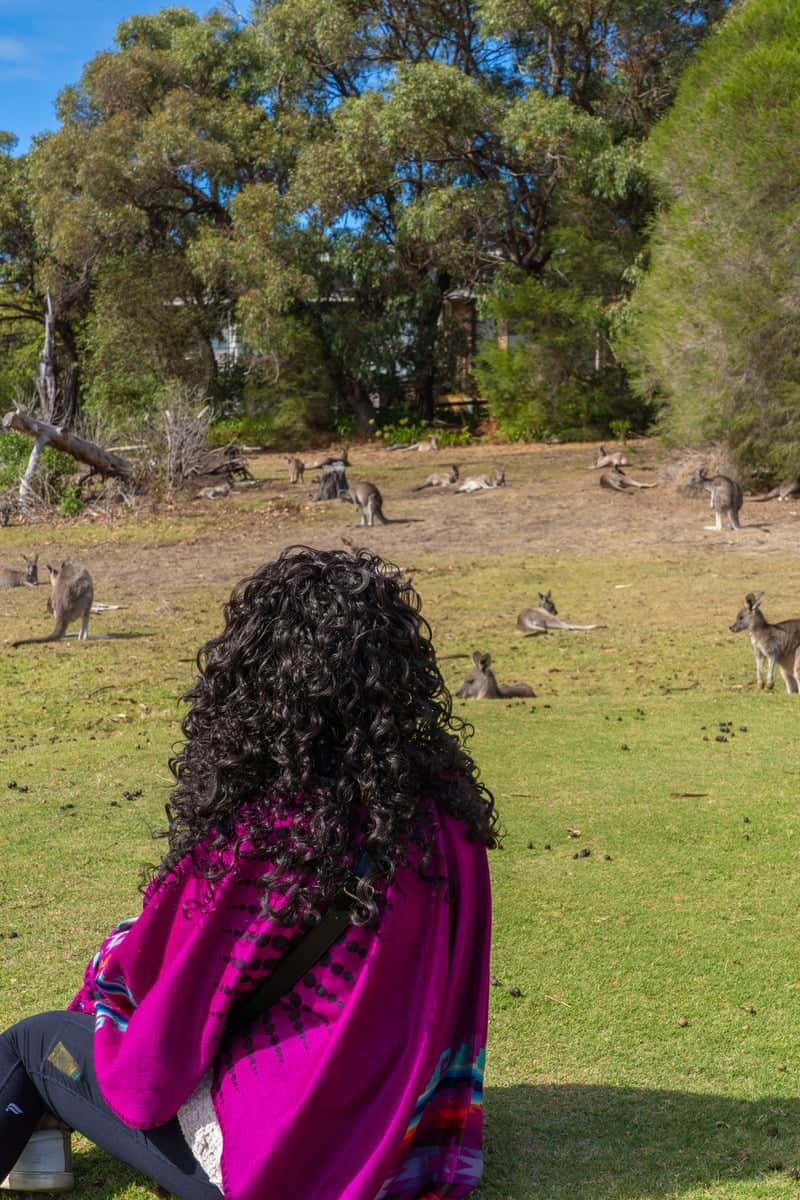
552 504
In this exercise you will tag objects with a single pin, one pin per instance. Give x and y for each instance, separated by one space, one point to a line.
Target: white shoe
45 1164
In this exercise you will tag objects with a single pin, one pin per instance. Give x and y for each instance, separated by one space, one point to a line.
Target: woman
319 742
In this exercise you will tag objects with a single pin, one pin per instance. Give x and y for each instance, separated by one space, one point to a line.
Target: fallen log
101 461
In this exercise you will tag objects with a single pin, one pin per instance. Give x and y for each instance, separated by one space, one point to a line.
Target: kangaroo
296 469
332 483
431 443
477 483
10 577
771 643
618 481
71 595
726 497
333 460
786 491
439 479
545 616
605 459
481 683
368 501
217 491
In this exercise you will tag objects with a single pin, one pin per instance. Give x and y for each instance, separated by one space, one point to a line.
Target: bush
54 474
243 431
407 429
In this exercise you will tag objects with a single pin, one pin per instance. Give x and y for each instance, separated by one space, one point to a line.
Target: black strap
300 958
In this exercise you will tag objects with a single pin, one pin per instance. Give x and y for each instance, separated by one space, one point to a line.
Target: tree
467 138
155 141
714 324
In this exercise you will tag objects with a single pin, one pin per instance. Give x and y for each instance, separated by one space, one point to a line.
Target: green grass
594 1090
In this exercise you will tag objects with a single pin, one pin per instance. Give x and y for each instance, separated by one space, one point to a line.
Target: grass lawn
655 1048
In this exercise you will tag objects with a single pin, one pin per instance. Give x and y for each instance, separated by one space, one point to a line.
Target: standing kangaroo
71 595
481 682
726 497
296 469
439 479
545 616
477 483
771 643
368 501
11 577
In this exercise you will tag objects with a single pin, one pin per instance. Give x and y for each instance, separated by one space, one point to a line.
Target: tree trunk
358 399
68 380
30 471
90 453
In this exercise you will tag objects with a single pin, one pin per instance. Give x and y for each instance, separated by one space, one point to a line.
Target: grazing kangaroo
332 483
10 577
772 644
71 595
615 459
439 479
618 481
296 469
477 483
726 497
481 683
786 491
545 616
368 501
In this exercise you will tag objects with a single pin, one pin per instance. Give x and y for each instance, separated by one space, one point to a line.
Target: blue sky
43 47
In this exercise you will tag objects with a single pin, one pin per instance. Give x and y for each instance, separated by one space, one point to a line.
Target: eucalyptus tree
155 141
454 143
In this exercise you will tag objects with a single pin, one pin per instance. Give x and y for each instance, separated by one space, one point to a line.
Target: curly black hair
320 712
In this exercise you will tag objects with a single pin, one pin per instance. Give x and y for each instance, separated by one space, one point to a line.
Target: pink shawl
364 1082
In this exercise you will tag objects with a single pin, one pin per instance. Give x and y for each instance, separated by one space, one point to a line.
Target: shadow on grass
586 1143
595 1143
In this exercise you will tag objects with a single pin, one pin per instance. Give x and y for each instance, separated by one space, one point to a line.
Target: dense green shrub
714 324
54 473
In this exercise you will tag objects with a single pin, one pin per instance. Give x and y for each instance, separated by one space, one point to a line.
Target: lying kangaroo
545 616
477 483
10 577
786 491
615 459
481 683
296 469
439 479
618 481
368 501
771 643
726 497
431 443
71 595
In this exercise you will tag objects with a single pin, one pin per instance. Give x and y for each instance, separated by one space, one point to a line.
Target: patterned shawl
363 1083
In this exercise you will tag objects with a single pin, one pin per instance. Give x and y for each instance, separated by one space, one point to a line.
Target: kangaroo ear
486 661
477 658
756 600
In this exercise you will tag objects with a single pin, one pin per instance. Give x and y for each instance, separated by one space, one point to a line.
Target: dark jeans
31 1085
